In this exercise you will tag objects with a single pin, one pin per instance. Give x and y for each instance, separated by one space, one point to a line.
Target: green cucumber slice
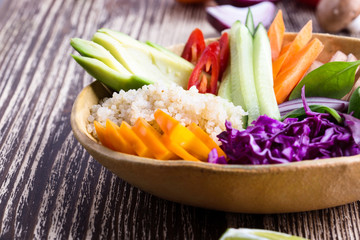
263 77
237 97
225 85
241 50
249 22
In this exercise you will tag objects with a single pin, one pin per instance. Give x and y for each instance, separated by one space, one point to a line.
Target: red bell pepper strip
224 54
208 63
194 46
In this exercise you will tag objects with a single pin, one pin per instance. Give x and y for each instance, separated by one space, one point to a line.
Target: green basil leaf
332 80
354 103
300 112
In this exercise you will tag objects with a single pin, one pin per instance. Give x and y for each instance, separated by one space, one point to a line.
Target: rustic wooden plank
49 185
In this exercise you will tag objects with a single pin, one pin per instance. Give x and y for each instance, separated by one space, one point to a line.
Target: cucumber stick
242 76
225 85
237 97
263 74
250 22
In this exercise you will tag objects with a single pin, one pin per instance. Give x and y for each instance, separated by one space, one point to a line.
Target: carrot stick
299 42
278 63
276 35
291 74
285 48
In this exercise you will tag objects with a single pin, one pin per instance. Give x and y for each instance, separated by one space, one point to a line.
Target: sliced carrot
276 35
165 121
181 135
285 48
177 149
205 138
137 144
298 64
299 42
116 139
101 132
152 139
193 145
278 63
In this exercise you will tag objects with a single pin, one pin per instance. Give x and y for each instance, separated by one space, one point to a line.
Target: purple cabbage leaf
269 141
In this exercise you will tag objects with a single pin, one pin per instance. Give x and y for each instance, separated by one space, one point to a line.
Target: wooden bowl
279 188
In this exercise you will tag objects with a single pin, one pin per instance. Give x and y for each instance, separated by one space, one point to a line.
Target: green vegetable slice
300 112
236 94
256 234
225 85
242 76
170 53
354 103
93 50
109 76
250 22
332 80
154 63
263 74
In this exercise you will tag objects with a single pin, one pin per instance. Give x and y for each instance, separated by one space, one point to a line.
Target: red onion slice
288 106
222 17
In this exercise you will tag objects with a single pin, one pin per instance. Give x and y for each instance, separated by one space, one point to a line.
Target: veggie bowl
276 188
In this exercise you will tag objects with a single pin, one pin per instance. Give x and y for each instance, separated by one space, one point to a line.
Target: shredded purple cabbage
214 157
269 141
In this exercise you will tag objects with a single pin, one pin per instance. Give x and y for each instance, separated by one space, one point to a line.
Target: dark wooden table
49 185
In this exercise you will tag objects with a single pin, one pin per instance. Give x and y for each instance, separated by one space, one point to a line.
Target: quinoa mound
186 106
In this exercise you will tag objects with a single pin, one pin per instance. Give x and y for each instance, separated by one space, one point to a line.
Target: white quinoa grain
186 106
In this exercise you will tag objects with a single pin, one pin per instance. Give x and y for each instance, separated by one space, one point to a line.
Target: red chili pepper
194 46
224 54
208 63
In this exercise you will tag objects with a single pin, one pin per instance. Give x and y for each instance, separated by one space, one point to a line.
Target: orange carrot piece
276 35
299 42
205 138
298 64
165 121
117 140
285 48
182 135
177 149
138 145
278 63
152 139
101 132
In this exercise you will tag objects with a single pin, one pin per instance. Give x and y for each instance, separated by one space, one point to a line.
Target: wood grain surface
50 188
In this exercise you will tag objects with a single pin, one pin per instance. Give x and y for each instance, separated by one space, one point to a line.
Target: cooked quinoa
186 106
